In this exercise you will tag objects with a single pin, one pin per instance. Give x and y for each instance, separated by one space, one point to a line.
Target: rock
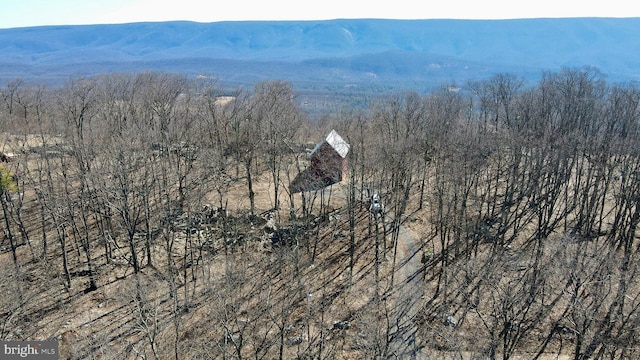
283 237
293 341
341 325
231 338
450 321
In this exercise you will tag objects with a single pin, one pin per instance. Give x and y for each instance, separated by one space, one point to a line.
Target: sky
26 13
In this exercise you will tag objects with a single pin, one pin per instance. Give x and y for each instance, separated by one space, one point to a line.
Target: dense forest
150 215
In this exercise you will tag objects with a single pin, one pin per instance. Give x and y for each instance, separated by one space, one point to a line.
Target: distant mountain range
394 54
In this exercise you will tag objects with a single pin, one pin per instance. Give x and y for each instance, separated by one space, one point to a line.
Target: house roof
336 142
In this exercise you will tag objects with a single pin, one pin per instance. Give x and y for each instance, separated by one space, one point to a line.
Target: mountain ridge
362 50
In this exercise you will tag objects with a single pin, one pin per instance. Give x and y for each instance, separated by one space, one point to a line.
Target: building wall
327 163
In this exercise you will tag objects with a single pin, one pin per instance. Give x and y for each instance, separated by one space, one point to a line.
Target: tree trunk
7 223
252 200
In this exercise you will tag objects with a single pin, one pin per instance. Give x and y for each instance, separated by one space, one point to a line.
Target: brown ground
308 290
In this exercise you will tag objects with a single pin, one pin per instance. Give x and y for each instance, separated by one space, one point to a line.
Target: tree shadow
311 180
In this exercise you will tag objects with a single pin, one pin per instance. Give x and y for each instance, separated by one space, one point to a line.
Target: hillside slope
362 50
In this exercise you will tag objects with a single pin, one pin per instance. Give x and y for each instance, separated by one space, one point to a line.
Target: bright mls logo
45 350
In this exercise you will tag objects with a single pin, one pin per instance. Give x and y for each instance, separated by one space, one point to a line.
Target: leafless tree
275 108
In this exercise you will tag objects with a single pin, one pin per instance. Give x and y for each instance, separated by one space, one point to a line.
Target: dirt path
407 296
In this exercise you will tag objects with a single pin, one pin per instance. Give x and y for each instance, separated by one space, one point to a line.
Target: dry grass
108 322
247 290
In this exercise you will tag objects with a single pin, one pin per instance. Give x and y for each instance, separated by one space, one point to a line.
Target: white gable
337 143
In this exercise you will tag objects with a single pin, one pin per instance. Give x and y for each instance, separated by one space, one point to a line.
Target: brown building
328 160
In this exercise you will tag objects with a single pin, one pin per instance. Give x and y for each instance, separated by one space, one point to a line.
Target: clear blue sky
21 13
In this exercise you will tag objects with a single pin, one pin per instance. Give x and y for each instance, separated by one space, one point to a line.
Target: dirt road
407 296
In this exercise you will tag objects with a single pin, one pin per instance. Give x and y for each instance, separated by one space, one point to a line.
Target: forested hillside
363 54
150 215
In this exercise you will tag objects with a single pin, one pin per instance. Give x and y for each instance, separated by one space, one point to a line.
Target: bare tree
275 108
